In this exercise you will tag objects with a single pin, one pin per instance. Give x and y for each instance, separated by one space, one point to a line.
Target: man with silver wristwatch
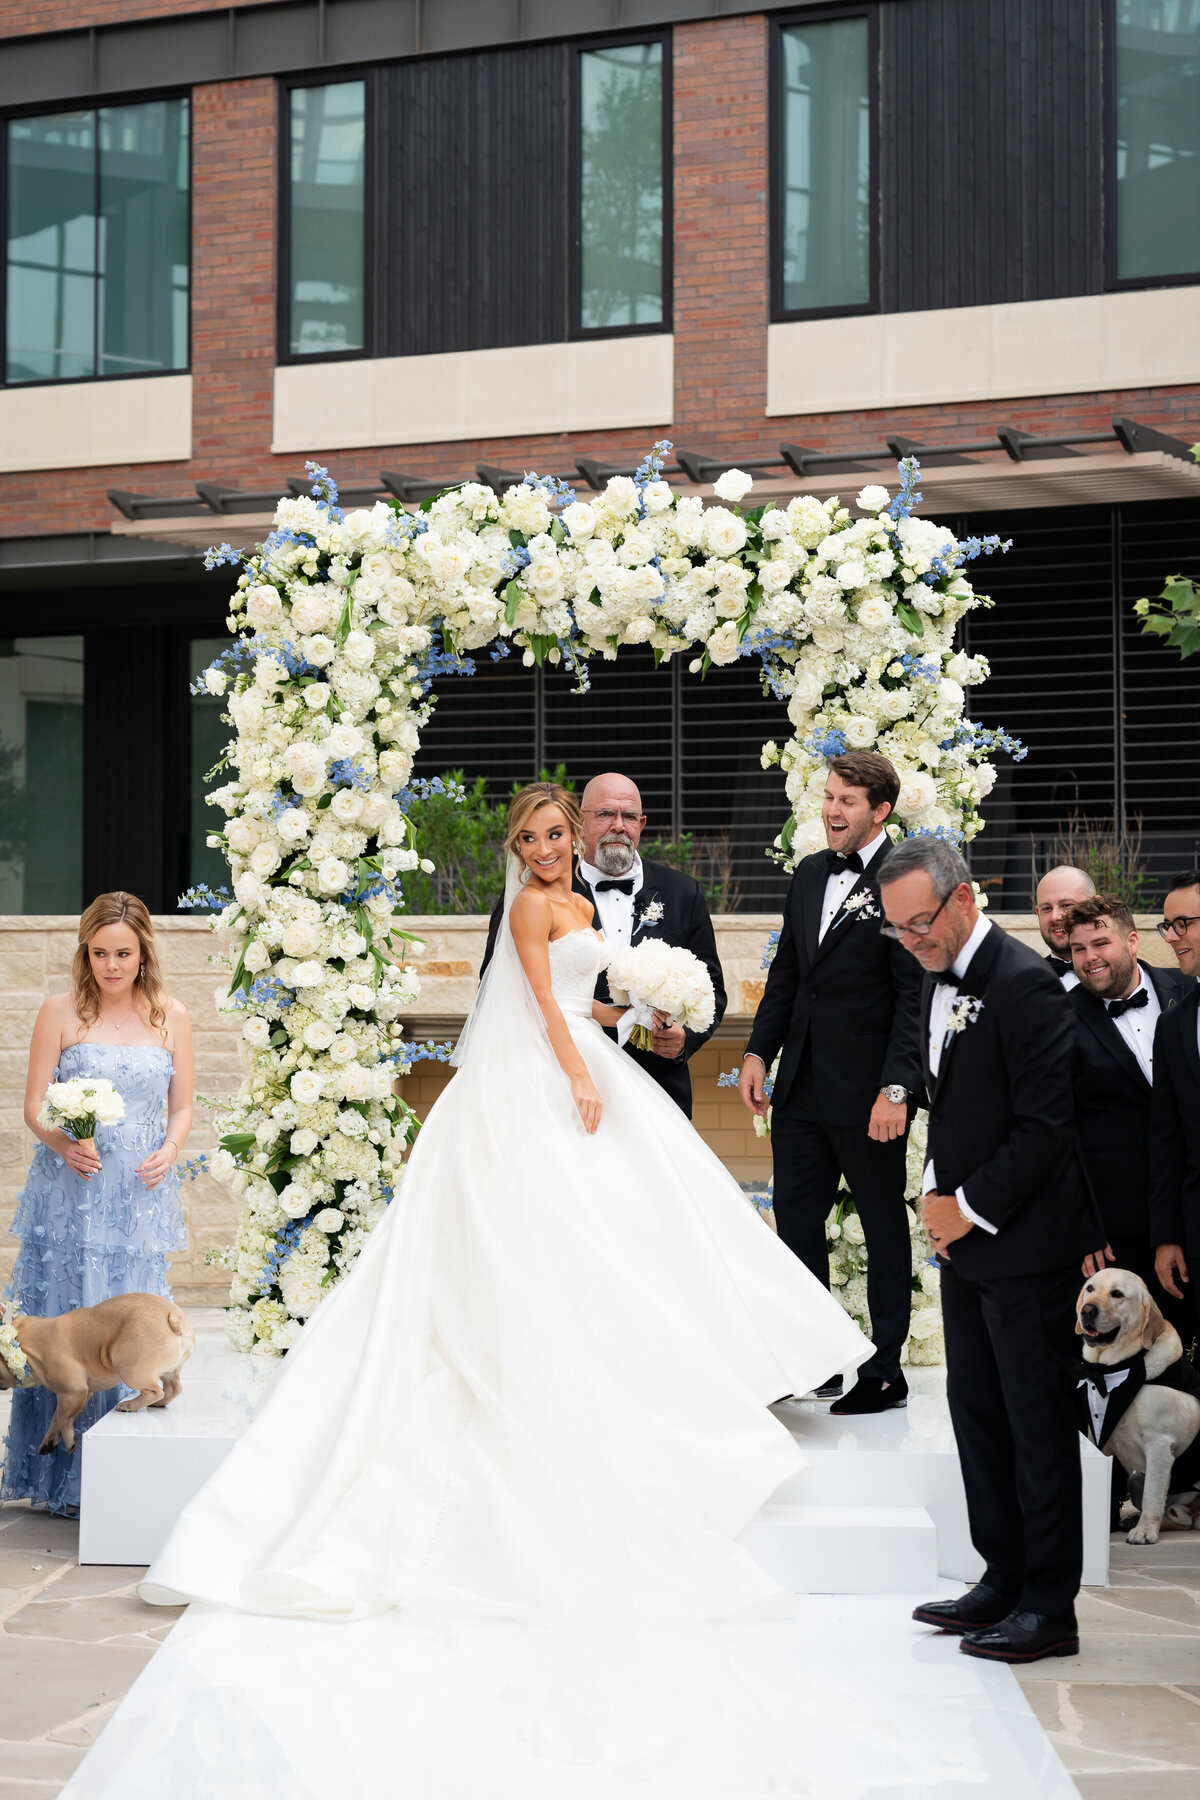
841 1010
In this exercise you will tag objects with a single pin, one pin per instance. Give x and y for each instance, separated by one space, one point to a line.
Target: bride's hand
608 1016
587 1100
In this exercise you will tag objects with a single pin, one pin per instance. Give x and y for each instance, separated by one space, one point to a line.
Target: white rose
346 805
579 519
292 825
301 938
395 766
318 650
733 485
264 860
809 837
359 650
330 1219
621 496
343 741
305 1087
806 694
243 835
307 975
544 579
950 695
316 696
295 1200
917 794
302 1294
852 1229
774 576
657 497
216 681
874 613
221 1165
303 1142
851 574
859 730
333 876
724 532
872 499
318 1035
310 611
343 1049
306 767
357 1083
263 606
257 1032
985 779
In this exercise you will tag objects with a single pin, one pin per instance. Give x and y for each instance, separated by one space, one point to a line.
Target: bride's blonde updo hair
531 799
118 909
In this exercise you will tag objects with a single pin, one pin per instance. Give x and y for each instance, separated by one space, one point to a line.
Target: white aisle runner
848 1700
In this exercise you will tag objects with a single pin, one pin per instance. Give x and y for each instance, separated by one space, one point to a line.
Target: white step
846 1549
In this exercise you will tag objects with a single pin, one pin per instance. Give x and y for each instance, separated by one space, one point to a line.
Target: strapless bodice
141 1074
575 962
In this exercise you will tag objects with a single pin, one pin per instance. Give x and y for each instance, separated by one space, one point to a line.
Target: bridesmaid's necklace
120 1025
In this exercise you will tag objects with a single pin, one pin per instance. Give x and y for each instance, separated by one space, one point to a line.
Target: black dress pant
1010 1344
809 1156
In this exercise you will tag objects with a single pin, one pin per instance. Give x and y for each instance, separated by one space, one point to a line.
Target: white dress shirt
1069 980
842 882
614 910
1137 1026
944 1000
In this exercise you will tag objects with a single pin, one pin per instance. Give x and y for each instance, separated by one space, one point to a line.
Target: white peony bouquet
80 1106
653 977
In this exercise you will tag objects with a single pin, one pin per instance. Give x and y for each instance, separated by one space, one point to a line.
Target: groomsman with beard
1006 1212
1057 892
636 899
1175 1106
1118 1004
840 1011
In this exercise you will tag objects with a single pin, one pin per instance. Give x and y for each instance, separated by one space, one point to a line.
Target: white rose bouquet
653 977
80 1106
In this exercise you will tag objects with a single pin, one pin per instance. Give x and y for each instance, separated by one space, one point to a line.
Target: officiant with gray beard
636 899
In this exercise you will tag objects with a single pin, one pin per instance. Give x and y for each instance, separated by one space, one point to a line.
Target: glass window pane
621 186
1157 59
143 237
327 198
208 740
41 775
826 172
51 247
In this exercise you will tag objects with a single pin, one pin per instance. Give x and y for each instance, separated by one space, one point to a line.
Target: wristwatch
895 1093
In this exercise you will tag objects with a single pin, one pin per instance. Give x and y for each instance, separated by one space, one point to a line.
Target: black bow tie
947 978
625 885
837 864
1059 964
1117 1007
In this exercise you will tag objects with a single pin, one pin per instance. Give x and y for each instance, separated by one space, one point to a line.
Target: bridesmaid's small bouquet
80 1106
653 977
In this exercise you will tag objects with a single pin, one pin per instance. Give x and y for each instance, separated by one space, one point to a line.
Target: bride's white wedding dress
542 1393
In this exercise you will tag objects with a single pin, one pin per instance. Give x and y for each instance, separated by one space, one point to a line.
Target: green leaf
323 802
910 618
517 539
788 832
512 599
239 1143
594 597
557 532
278 1037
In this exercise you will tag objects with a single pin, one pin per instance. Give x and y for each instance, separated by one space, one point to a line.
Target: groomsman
1058 891
1006 1213
1175 1107
840 1011
636 899
1118 1004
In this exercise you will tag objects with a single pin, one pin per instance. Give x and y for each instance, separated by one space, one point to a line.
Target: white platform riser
846 1549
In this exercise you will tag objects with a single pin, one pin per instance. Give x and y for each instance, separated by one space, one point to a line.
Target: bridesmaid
96 1224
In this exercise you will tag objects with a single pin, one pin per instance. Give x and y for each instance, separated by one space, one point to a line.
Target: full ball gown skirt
84 1241
542 1393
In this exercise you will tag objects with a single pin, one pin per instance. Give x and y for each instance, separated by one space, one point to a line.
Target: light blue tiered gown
84 1241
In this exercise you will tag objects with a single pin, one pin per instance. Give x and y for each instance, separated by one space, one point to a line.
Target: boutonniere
651 914
862 905
964 1012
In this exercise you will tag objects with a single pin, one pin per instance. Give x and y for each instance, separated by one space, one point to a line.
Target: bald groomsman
1057 892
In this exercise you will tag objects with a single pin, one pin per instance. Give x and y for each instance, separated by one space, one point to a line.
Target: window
621 187
823 173
325 214
41 775
208 737
1156 69
97 243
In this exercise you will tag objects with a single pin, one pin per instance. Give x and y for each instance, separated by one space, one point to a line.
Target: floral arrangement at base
342 622
655 977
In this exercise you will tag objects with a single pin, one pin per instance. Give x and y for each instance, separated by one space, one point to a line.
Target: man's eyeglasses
607 816
1176 927
918 928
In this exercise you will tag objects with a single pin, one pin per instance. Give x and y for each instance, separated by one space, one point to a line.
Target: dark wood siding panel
990 152
473 173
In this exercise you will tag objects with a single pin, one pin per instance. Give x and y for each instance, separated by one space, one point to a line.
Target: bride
542 1393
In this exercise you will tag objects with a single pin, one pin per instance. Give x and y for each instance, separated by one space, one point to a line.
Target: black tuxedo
685 921
1002 1128
1175 1132
842 1015
1112 1111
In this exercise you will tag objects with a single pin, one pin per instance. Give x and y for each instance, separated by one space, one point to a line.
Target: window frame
576 49
96 104
286 86
1114 283
776 183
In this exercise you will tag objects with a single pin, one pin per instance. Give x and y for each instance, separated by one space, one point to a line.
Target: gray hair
942 862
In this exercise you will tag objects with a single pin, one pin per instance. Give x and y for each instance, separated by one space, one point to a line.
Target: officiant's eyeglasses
917 928
1176 927
607 816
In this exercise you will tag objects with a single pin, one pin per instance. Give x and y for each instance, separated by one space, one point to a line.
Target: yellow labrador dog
1142 1400
139 1339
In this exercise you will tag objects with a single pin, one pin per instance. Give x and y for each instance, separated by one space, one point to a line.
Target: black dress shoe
872 1394
828 1390
1025 1637
979 1606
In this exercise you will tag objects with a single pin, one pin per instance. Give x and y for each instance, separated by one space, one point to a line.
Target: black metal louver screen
1110 719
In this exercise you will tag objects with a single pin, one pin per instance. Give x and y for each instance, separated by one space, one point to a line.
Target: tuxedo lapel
1096 1017
928 990
1191 1047
846 915
972 987
812 900
647 896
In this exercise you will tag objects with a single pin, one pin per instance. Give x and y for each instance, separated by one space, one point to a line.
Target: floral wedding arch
343 622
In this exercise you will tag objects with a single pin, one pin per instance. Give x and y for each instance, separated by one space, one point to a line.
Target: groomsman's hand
1093 1264
888 1119
943 1222
668 1039
750 1085
1170 1263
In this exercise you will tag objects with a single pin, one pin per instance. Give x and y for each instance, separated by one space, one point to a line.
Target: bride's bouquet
80 1106
653 977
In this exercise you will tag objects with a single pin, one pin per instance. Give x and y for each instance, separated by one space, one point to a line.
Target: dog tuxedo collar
1108 1390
